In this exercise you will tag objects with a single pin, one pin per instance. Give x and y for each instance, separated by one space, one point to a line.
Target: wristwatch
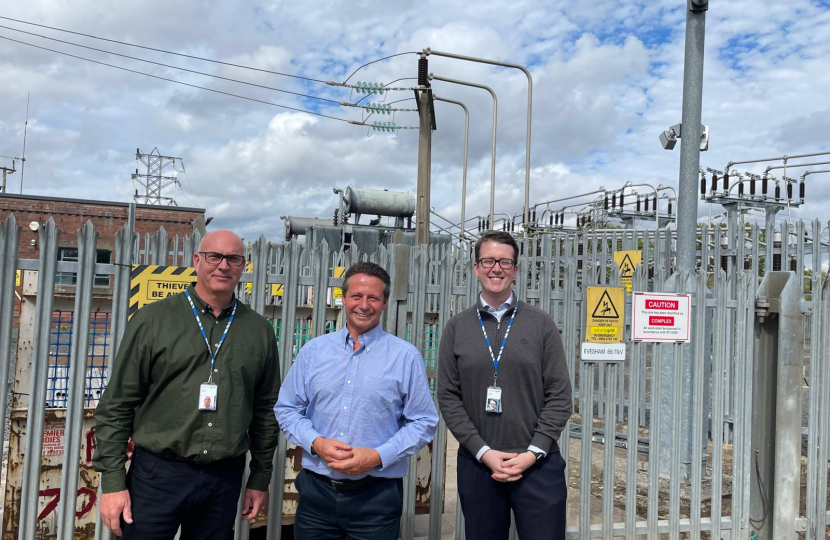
539 455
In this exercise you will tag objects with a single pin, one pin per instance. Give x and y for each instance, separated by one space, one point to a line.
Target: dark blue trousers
538 500
325 513
166 493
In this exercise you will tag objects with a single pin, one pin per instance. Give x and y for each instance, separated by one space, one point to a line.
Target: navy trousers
166 494
324 513
538 500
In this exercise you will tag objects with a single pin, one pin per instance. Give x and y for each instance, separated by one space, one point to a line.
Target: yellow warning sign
337 292
149 283
628 261
17 279
605 314
276 288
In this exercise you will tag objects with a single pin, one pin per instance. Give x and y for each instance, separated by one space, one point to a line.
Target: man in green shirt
194 384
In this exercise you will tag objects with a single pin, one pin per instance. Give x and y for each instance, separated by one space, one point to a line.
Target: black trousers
166 494
538 500
324 513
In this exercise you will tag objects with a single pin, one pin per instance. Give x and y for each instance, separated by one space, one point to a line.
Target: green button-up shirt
153 393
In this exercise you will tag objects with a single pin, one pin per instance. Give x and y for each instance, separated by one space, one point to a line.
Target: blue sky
607 80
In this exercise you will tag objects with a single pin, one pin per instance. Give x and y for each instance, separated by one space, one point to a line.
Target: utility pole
426 110
7 170
154 181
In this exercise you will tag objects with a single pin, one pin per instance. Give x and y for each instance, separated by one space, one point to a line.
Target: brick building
108 217
32 211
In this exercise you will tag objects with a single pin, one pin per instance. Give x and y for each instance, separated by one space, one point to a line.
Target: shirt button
210 424
205 451
341 433
349 382
216 370
344 408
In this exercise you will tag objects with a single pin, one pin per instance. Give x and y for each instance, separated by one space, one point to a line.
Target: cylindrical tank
377 202
297 226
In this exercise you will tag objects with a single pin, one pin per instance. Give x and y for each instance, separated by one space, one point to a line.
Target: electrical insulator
703 185
654 202
724 259
384 126
776 257
550 219
669 206
370 88
747 264
646 201
790 190
752 186
714 182
638 204
764 186
801 189
793 265
378 108
741 189
605 204
726 182
533 220
423 71
579 221
614 201
503 225
622 200
479 224
777 191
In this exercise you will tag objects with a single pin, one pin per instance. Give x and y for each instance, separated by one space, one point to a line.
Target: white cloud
607 80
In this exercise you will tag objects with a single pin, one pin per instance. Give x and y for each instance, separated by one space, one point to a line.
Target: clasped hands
507 467
344 458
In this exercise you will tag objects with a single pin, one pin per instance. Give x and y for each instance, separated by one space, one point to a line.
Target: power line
166 52
179 82
172 67
378 60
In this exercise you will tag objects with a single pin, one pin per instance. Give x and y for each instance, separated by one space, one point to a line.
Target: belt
349 485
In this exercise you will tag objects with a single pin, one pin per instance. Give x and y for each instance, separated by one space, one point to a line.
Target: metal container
379 202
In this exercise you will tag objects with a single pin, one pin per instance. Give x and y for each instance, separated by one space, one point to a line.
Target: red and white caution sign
659 317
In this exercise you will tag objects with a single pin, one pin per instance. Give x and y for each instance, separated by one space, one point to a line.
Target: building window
69 254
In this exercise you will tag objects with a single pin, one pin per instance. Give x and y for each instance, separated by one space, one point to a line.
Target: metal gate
664 443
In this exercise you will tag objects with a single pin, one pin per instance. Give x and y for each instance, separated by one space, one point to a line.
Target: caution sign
628 261
605 314
657 317
149 283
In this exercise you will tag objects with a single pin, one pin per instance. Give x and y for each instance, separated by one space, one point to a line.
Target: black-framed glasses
490 262
214 259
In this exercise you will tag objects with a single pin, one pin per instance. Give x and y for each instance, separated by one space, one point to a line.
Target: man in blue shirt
358 403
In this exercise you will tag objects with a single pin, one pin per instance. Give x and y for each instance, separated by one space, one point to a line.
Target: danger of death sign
660 317
605 312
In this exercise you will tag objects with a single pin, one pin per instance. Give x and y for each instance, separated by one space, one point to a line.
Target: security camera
668 139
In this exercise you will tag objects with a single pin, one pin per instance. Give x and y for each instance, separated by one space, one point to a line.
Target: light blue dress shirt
376 397
498 314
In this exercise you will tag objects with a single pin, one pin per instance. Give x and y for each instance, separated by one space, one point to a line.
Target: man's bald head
228 240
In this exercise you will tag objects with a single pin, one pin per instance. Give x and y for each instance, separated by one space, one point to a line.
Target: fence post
777 395
9 241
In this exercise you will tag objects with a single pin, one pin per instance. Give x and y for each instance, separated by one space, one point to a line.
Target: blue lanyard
213 354
497 359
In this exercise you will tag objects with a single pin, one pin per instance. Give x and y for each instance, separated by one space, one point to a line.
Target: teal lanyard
213 354
497 359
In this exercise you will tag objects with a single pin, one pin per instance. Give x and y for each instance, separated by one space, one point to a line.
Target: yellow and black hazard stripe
149 283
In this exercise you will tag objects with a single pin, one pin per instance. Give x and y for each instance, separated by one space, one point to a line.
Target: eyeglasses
489 262
214 259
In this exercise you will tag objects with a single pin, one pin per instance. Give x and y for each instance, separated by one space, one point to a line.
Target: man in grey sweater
505 394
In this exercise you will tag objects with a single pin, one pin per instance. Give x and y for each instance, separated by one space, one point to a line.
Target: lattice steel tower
154 180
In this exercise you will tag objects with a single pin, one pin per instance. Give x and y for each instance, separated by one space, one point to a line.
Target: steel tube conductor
495 122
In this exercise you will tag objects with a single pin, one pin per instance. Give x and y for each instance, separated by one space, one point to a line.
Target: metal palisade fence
722 436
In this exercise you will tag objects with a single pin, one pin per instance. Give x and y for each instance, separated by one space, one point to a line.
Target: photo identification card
207 397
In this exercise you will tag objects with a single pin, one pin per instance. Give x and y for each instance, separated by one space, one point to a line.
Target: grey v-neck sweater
533 376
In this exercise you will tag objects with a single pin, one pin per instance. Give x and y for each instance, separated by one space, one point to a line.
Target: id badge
207 397
493 402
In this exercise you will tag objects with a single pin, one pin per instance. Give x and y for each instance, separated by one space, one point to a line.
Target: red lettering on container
661 304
